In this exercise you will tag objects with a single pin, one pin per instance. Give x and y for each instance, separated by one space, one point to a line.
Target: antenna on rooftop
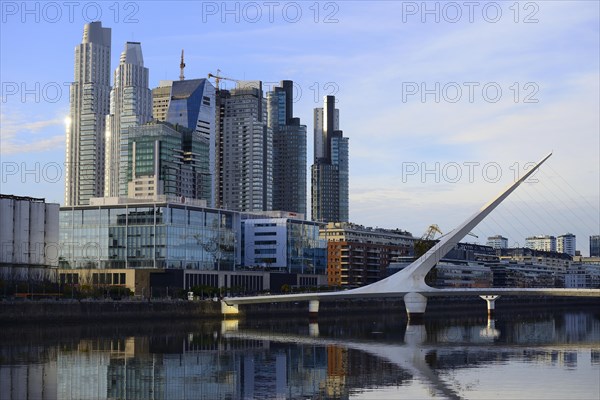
181 67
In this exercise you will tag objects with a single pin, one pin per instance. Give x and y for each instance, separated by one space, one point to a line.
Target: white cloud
20 135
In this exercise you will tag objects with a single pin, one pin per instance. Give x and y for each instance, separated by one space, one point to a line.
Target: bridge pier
228 310
491 302
415 304
313 308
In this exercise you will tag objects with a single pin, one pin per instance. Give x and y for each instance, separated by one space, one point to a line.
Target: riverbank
27 311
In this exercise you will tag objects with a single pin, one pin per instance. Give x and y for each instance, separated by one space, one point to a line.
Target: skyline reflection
336 358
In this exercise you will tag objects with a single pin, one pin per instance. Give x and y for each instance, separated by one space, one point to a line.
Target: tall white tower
90 94
130 105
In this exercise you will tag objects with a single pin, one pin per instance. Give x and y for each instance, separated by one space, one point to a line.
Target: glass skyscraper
167 160
130 105
330 171
89 104
289 150
190 104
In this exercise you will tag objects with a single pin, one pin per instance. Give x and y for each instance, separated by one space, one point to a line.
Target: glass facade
155 235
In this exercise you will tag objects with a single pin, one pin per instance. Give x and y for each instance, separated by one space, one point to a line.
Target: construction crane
431 231
218 78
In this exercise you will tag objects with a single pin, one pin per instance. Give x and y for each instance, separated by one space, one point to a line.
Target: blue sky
430 86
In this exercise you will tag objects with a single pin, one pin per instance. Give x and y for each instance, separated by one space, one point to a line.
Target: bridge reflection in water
336 358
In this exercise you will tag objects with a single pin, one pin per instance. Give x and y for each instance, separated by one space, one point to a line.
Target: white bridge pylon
410 281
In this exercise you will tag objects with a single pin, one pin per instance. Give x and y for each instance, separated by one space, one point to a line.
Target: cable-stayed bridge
410 281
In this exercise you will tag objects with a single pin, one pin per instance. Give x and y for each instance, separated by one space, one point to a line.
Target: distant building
166 161
89 105
330 171
29 235
289 150
544 243
497 242
595 246
566 244
358 255
130 105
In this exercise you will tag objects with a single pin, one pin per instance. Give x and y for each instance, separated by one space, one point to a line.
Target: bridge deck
429 293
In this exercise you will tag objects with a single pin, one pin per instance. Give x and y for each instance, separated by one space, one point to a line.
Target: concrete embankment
128 310
64 310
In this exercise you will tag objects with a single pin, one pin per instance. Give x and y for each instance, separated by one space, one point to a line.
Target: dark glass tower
329 173
289 150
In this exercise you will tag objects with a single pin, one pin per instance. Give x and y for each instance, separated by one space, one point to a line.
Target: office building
164 232
595 246
89 104
167 160
289 150
329 173
542 242
566 244
244 150
28 238
285 244
497 242
130 105
190 104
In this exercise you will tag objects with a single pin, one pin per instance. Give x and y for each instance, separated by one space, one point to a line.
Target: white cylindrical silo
7 211
21 232
51 235
37 213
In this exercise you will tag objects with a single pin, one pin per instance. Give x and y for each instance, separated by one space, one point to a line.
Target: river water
534 355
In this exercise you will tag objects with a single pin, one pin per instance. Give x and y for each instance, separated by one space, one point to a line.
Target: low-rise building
358 255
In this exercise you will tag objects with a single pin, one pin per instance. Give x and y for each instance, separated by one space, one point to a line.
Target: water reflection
335 358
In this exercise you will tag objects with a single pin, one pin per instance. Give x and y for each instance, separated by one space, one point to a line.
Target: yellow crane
431 231
218 78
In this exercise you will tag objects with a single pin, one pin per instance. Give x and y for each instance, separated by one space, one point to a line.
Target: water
538 355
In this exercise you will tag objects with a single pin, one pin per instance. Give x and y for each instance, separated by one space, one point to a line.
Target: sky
444 103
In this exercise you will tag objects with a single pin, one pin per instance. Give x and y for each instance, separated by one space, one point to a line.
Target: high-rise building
130 105
90 100
544 242
595 246
190 104
244 149
497 242
566 244
330 171
167 160
289 150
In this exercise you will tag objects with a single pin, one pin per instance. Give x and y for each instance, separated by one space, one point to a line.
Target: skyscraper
595 246
89 99
329 173
190 104
289 150
130 105
244 149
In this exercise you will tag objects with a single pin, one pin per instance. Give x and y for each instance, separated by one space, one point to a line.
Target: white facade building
284 244
130 105
90 100
497 242
566 244
544 242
